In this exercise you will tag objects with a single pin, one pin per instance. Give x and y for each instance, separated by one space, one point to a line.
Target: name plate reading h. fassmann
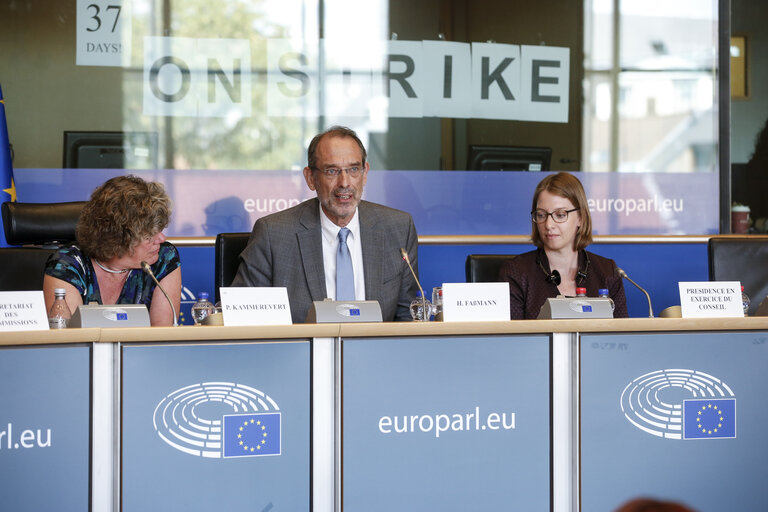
23 311
255 306
472 302
708 299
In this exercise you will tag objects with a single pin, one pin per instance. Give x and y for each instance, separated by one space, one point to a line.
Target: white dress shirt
330 233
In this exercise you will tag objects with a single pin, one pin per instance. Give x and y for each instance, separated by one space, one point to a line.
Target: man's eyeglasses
560 215
332 172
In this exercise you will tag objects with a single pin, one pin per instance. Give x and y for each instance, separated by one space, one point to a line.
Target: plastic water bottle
202 308
59 315
419 312
437 302
745 301
603 293
581 292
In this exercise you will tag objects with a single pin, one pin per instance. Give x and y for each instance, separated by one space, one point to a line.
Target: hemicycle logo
680 404
219 420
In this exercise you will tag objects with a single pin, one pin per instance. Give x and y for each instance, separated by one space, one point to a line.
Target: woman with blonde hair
120 227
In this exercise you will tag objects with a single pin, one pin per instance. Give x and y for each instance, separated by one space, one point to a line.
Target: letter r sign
197 77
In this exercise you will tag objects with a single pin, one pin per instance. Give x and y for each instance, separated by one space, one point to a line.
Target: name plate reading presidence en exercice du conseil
710 299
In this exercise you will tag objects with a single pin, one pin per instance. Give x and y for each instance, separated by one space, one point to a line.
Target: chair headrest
44 224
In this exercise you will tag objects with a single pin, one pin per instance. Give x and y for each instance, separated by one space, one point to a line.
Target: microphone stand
148 270
423 297
625 276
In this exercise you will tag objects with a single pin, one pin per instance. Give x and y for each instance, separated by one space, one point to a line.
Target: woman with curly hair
120 227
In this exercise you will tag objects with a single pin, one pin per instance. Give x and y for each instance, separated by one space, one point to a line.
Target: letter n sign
197 77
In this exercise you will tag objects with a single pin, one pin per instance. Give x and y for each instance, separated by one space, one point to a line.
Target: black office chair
743 259
484 268
37 230
227 258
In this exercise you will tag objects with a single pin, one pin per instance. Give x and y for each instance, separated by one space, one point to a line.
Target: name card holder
711 299
23 311
475 302
255 306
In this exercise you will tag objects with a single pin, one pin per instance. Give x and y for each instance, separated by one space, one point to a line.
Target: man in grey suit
299 248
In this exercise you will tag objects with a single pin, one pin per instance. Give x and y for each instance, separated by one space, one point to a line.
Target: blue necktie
345 276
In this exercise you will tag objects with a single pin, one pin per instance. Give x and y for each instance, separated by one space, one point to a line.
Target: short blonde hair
120 213
568 186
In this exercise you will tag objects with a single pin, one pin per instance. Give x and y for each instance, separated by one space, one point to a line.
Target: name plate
340 311
473 302
110 315
23 311
576 307
710 299
255 306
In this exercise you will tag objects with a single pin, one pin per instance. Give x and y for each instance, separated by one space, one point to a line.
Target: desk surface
212 333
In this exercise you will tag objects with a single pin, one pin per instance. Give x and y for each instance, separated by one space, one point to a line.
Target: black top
529 287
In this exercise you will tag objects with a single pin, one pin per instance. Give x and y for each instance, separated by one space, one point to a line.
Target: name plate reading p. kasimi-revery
707 299
255 306
23 311
473 302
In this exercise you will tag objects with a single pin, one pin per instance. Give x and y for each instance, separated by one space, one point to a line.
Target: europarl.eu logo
219 420
680 404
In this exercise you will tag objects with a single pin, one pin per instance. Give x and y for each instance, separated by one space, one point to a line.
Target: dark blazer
286 249
529 289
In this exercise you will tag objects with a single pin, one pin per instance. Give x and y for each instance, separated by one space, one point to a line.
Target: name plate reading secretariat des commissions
23 311
708 299
255 306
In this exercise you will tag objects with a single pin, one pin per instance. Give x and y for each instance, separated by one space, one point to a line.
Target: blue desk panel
216 427
45 428
446 423
675 416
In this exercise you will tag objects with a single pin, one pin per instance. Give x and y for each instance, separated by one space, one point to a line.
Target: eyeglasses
332 172
560 215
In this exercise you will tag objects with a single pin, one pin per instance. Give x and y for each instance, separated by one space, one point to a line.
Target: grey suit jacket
286 249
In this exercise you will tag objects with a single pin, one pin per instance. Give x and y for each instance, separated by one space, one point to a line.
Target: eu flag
709 418
251 435
6 171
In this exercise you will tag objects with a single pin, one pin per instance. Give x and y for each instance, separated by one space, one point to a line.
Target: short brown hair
333 131
120 213
568 186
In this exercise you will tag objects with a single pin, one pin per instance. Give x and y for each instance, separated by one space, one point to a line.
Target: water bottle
437 302
603 293
59 315
581 292
202 308
745 301
421 308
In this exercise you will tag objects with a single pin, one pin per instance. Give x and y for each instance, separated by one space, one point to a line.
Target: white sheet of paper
710 299
255 306
23 311
471 302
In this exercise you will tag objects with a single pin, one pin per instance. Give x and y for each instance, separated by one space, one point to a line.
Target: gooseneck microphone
148 270
623 274
404 254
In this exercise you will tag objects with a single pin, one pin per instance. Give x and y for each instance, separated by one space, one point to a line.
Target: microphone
554 278
148 270
625 276
423 297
